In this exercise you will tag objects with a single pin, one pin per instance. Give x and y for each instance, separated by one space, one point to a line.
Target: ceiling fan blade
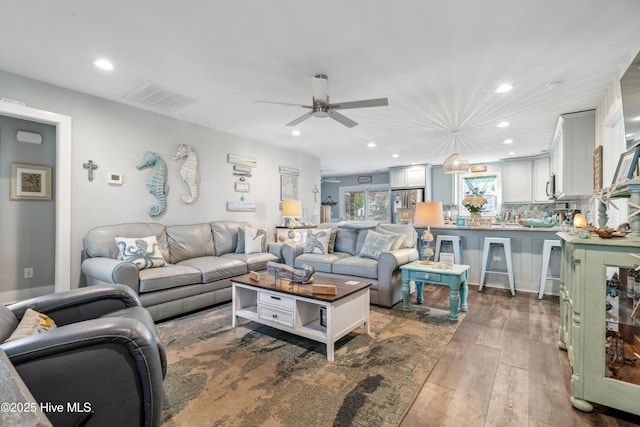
286 103
300 119
342 119
378 102
320 87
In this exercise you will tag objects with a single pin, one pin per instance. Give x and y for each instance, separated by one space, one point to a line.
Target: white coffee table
295 309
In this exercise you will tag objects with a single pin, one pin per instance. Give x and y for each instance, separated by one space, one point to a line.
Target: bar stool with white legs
456 242
547 247
505 243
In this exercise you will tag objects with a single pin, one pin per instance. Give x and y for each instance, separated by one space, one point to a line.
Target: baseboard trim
10 297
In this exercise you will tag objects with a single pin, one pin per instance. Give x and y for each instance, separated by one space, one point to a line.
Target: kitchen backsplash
537 210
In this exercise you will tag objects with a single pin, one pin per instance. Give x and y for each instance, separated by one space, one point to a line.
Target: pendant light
455 163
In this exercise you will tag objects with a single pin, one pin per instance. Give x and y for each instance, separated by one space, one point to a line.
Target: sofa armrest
290 253
80 304
102 270
389 282
275 249
110 364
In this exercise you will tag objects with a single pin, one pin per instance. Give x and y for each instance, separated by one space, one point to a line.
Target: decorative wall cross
90 167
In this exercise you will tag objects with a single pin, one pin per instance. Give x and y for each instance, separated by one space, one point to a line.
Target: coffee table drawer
275 315
276 300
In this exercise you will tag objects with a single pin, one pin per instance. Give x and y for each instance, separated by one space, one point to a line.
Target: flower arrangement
474 202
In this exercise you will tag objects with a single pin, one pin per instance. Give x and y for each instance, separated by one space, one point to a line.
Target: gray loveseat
346 259
200 261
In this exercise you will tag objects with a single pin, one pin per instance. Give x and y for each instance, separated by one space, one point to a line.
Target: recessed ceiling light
295 132
508 141
511 153
502 125
371 144
395 155
103 64
636 119
503 88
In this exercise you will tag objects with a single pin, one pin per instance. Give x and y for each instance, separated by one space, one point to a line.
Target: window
485 184
365 203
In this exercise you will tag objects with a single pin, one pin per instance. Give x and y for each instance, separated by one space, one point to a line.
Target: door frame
63 184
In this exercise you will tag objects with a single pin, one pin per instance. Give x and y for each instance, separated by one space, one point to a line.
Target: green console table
456 278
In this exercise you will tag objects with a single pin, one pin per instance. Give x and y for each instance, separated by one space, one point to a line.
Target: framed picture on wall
627 165
30 182
288 187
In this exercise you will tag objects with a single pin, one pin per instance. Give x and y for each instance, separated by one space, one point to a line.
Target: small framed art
627 165
30 182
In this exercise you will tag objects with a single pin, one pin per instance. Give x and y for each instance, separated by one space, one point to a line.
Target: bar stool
456 242
547 247
505 243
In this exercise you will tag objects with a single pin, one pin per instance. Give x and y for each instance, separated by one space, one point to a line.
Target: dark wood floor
503 367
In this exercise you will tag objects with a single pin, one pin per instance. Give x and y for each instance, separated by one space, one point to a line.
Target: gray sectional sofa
349 256
198 260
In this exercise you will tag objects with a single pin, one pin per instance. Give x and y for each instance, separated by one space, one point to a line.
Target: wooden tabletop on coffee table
269 282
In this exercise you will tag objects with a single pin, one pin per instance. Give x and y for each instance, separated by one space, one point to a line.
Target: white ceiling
437 62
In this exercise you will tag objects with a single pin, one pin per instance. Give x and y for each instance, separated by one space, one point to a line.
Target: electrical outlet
28 273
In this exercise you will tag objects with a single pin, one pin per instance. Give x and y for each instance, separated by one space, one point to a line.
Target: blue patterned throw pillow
375 244
317 242
144 252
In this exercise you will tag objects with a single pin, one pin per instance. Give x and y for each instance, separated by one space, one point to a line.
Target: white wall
116 136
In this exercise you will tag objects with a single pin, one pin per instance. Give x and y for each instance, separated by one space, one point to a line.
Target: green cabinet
596 327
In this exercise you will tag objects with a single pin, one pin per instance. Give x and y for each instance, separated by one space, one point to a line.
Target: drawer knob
426 276
275 316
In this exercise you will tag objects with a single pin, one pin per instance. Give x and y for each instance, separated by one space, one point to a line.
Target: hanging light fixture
455 163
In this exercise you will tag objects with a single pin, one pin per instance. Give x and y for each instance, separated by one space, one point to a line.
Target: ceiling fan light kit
321 107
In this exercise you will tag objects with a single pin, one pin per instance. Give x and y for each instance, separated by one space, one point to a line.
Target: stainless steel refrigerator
403 204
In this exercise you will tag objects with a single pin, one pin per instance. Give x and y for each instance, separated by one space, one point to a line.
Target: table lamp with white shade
291 209
428 214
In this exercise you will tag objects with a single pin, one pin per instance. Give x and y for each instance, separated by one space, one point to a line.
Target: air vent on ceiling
158 97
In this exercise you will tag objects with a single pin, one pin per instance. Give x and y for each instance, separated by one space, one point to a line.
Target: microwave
551 187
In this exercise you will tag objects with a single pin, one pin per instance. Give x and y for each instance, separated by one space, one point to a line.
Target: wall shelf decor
30 182
241 160
241 206
286 170
241 187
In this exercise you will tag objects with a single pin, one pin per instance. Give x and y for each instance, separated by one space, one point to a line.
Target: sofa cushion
189 241
214 268
255 262
32 323
255 241
410 233
169 276
375 244
357 266
100 241
317 241
346 241
8 323
225 235
142 251
322 263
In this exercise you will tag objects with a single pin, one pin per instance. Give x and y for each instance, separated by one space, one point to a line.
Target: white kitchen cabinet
416 176
540 179
517 181
571 155
443 186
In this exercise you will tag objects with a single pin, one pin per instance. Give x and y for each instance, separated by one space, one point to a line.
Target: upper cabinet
416 176
571 155
525 180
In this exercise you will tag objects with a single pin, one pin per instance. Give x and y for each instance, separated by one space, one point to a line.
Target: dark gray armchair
104 356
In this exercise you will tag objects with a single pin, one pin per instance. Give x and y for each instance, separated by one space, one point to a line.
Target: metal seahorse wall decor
156 181
189 171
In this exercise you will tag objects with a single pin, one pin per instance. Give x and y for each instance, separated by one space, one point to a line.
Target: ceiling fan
321 107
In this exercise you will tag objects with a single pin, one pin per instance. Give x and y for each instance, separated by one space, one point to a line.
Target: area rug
254 375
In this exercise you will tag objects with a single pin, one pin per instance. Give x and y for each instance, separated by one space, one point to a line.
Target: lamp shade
428 214
291 208
579 220
455 163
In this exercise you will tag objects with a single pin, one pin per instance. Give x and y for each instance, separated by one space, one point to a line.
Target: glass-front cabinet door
600 321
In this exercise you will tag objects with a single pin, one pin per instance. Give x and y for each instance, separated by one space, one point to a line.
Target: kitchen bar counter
506 227
526 247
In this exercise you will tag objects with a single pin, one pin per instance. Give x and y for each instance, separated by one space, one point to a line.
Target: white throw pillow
318 241
253 240
375 244
32 323
144 252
